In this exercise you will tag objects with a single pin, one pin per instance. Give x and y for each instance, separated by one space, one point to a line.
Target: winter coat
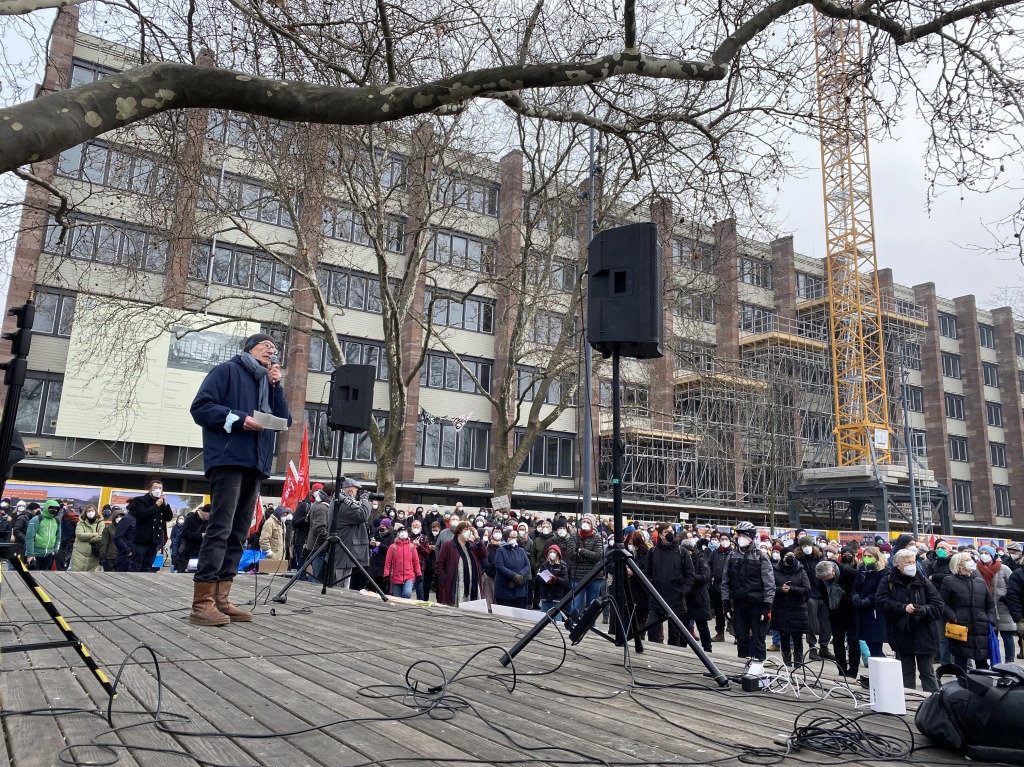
717 565
789 610
581 554
1015 594
939 570
151 519
910 634
86 534
272 538
108 550
42 538
808 562
124 535
191 538
670 570
510 561
379 553
6 525
847 579
869 620
353 515
446 568
316 523
749 578
698 601
968 603
1000 584
20 529
559 587
402 562
231 389
488 562
176 538
538 545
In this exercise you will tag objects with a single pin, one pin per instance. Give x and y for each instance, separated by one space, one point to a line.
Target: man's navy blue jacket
230 388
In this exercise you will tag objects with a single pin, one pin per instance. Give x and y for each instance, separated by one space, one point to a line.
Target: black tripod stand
331 546
622 565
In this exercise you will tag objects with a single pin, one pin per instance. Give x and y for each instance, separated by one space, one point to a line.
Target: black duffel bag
980 713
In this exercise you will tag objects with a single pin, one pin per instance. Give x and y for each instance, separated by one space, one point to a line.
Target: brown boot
203 611
225 606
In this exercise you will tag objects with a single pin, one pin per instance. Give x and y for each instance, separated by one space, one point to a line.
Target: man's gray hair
902 555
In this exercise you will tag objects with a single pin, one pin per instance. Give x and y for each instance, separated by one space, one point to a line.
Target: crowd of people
804 597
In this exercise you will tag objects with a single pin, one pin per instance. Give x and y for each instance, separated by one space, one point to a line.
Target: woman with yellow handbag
969 611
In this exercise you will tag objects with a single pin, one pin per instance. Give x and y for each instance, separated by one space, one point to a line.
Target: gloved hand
517 580
856 600
766 612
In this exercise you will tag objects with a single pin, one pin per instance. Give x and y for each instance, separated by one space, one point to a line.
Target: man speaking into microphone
237 456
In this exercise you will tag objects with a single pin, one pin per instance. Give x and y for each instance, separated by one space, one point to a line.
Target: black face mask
382 530
789 561
847 558
669 537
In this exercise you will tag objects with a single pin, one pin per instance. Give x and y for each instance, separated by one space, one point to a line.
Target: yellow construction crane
855 311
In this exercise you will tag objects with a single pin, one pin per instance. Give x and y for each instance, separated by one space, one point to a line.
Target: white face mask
830 554
403 536
725 544
807 550
585 526
180 521
92 515
374 505
156 492
553 557
479 523
986 558
631 547
909 570
513 541
775 556
466 535
545 531
562 532
970 565
496 537
417 530
743 541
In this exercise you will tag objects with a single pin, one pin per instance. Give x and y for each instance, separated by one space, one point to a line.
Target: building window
351 290
562 274
529 381
476 314
1002 496
39 403
1020 380
1018 342
467 193
810 286
955 407
320 358
552 455
636 396
343 223
462 251
359 352
987 336
911 356
962 500
958 449
990 374
756 271
546 328
994 413
695 307
280 335
698 358
951 365
919 443
324 440
757 319
997 451
108 242
239 267
444 446
947 325
85 72
693 254
915 399
98 163
55 312
443 371
817 427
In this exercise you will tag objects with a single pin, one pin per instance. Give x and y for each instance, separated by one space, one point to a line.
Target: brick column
936 433
727 329
784 278
886 292
420 168
974 409
1013 419
662 383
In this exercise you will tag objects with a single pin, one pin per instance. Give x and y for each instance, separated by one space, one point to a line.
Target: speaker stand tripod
622 566
330 546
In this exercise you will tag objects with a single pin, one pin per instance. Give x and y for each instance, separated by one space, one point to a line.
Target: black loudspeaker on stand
624 317
349 410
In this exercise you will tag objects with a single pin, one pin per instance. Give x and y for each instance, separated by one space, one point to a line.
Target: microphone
274 360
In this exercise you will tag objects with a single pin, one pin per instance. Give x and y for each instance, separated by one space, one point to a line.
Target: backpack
978 714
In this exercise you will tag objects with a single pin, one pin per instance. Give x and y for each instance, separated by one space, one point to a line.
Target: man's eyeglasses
273 348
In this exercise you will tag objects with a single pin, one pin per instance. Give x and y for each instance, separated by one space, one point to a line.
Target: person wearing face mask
1013 556
835 585
511 573
458 567
870 622
698 600
85 556
108 547
968 603
904 541
555 585
272 535
542 538
448 531
22 516
6 520
997 577
428 544
912 608
151 514
192 534
402 565
495 539
670 569
417 538
820 634
581 550
748 591
175 540
938 571
1015 605
789 609
300 524
380 541
716 562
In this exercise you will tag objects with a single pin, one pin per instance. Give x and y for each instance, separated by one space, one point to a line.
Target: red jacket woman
402 562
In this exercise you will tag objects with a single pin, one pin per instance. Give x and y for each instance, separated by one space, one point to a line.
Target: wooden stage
330 670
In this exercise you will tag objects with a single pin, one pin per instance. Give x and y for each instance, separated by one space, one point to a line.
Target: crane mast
855 311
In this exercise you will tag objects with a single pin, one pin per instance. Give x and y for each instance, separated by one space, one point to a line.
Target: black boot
787 658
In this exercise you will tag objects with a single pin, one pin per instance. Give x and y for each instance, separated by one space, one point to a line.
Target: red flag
257 516
296 483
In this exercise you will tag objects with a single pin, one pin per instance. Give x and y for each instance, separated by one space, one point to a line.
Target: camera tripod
620 562
330 546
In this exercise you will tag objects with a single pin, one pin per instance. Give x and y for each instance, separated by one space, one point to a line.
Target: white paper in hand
270 421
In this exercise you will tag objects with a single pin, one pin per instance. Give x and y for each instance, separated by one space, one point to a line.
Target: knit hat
989 549
885 547
805 540
32 506
316 486
627 530
255 338
560 524
1014 546
590 518
833 548
384 522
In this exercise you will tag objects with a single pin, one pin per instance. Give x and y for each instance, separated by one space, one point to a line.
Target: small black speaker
350 407
624 301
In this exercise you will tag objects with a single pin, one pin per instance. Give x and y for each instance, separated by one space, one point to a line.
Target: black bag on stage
980 713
